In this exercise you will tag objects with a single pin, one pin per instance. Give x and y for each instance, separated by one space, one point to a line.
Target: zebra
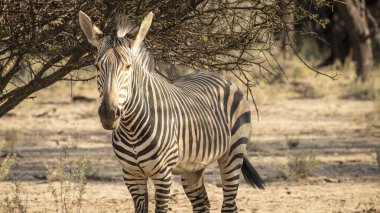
161 128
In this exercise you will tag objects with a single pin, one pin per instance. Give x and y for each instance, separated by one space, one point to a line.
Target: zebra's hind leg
139 192
195 190
230 166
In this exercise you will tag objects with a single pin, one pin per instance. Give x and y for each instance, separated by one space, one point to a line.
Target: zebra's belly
201 147
181 168
191 163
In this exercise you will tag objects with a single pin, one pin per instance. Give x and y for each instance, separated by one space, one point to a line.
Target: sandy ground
342 133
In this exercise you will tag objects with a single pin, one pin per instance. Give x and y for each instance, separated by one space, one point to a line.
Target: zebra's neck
137 110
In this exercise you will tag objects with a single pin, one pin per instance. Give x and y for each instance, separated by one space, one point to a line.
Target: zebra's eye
127 66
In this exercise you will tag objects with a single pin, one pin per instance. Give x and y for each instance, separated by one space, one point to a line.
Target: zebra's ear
138 36
92 33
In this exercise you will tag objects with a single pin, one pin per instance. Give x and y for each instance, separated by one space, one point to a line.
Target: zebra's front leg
195 190
162 183
137 186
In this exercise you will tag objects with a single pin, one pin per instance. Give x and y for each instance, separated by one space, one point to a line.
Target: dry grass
14 202
364 91
373 120
377 151
302 164
301 82
71 178
11 138
5 166
67 179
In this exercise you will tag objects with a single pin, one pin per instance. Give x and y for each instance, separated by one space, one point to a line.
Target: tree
39 45
287 12
354 14
41 42
352 26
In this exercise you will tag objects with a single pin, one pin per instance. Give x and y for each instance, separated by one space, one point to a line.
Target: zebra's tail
251 175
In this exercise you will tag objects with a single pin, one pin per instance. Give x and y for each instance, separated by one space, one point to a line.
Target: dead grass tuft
67 180
302 164
11 140
14 203
364 90
8 158
5 166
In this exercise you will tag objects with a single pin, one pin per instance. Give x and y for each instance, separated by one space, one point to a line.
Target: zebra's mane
110 50
124 26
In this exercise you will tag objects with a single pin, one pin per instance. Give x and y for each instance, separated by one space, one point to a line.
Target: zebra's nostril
99 110
118 112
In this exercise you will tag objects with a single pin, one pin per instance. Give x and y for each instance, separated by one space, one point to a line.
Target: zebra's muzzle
109 116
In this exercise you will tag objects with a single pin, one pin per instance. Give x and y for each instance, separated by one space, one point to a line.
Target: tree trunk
287 8
353 13
335 34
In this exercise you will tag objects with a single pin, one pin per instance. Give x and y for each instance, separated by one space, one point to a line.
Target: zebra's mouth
110 124
109 116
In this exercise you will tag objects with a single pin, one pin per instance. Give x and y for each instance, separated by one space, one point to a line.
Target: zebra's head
114 63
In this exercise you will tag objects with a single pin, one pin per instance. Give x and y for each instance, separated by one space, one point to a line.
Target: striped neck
136 110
